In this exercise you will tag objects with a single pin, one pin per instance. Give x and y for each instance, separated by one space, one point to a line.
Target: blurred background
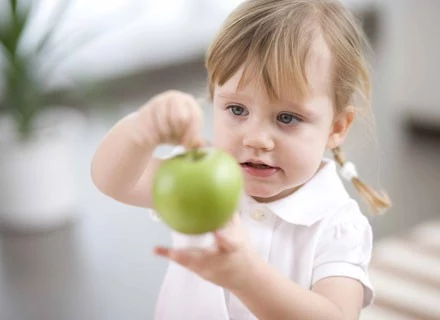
70 69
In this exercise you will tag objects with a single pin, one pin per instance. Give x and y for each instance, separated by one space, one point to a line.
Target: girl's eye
238 110
288 118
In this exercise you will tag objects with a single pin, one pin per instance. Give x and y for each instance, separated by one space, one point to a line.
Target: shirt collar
312 201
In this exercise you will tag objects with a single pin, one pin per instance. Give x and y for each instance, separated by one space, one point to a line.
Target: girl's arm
269 295
123 166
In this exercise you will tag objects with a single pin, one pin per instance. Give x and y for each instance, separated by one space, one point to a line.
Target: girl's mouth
259 169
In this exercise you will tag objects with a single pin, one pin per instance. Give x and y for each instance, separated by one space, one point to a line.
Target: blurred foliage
24 75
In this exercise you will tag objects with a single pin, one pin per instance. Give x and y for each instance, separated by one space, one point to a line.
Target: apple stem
196 154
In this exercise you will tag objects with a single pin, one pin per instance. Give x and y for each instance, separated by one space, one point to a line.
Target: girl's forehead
243 87
316 72
319 67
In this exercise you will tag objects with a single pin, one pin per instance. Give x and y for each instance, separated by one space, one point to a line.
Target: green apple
198 191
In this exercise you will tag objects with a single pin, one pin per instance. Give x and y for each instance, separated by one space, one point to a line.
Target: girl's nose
258 139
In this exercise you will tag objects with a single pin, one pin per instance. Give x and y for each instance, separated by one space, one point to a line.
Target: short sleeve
344 249
154 216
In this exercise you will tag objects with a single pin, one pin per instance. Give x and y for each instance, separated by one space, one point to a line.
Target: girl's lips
259 171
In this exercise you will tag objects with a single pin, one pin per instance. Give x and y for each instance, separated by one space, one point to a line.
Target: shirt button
259 215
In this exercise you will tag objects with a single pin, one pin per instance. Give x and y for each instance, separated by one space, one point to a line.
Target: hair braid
378 202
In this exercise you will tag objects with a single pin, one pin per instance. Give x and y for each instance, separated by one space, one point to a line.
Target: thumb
193 140
193 137
224 242
229 237
194 143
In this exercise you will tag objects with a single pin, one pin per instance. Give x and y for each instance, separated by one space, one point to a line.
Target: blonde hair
271 41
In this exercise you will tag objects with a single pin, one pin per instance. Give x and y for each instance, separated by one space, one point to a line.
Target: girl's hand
172 117
225 264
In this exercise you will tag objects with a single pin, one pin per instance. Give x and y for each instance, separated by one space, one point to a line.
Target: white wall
412 53
138 34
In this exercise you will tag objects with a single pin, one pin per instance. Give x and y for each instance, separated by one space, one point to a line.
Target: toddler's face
279 144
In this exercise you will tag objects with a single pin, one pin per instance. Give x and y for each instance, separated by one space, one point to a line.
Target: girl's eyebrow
301 108
234 95
293 105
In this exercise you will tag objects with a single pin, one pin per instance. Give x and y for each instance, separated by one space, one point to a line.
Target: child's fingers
148 122
189 258
193 137
159 118
235 220
176 118
232 236
162 251
232 225
177 121
225 243
193 140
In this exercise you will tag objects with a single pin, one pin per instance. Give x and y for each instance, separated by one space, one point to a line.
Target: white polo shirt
316 232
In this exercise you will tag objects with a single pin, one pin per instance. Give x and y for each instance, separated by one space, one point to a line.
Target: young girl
283 76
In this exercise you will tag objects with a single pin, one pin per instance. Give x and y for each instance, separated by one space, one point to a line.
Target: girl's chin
268 195
261 195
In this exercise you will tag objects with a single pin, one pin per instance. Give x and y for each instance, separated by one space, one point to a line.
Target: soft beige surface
406 274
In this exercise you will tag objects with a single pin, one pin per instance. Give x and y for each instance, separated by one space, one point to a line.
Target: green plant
25 71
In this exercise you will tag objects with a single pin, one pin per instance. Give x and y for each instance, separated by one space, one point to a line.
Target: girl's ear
340 127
